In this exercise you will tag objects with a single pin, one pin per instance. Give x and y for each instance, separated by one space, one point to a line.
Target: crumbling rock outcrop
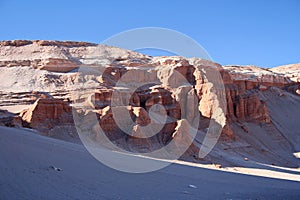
291 71
9 119
47 113
172 92
250 107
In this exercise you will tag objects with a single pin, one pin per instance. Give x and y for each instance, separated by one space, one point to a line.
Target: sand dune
26 173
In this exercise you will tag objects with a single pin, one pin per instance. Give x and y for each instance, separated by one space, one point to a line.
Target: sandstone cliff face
248 83
42 73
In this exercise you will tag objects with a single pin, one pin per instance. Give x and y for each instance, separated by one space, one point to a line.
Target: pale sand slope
26 174
284 111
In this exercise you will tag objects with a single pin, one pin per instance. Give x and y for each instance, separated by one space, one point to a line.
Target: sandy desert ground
26 173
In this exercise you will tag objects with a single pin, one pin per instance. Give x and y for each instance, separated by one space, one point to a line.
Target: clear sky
259 32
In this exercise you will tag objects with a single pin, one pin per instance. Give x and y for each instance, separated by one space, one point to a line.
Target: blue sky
264 33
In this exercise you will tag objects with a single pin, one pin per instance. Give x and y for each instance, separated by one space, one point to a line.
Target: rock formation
132 91
47 113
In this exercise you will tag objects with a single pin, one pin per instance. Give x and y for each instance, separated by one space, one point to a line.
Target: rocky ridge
54 77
